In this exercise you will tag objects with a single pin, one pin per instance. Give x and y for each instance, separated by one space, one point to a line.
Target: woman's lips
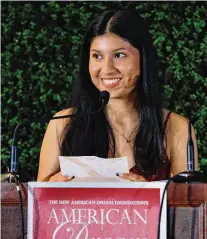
110 83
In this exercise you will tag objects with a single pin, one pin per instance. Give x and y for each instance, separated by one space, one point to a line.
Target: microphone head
104 97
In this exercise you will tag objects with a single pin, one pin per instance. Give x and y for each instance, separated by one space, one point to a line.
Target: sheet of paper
92 166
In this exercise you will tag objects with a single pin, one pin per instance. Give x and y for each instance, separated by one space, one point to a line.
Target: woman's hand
58 177
132 177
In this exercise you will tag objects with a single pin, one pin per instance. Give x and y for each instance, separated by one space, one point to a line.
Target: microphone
104 98
190 175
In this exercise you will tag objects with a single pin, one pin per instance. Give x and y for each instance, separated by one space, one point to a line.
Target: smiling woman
114 65
118 56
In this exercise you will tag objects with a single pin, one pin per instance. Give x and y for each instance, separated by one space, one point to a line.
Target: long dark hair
93 135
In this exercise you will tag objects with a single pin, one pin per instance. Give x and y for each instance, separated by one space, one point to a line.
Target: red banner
95 213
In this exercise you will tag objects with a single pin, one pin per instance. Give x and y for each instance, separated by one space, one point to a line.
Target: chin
117 95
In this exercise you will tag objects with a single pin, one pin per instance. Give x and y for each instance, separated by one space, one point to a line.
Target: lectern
186 211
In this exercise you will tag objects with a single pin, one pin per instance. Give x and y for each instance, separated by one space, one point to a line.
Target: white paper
92 166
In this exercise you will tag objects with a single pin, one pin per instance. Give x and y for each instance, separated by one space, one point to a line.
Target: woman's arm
49 167
179 137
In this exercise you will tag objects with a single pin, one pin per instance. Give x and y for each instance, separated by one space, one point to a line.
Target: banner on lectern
95 210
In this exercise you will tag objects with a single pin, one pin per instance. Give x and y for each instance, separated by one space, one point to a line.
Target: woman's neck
122 113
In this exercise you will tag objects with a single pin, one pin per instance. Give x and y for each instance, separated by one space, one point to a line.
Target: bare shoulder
176 129
51 146
65 112
177 134
60 124
176 123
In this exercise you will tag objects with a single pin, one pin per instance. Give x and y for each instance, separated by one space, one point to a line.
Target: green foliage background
40 51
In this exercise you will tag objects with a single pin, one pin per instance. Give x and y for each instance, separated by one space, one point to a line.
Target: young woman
118 56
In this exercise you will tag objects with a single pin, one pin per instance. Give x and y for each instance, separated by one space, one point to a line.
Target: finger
132 177
62 178
59 178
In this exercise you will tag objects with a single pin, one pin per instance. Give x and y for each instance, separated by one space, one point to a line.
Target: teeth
111 81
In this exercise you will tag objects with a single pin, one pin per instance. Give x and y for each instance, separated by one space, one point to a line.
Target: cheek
134 74
93 65
93 70
134 68
94 73
131 74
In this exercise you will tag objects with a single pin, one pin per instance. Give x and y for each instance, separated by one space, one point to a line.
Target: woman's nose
108 66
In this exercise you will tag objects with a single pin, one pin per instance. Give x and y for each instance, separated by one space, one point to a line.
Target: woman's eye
97 56
119 55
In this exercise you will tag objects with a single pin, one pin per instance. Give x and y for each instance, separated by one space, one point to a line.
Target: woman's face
114 65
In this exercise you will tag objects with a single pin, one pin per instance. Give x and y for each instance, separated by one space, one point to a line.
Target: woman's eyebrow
118 49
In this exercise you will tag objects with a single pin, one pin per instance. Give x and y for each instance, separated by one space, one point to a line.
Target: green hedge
40 50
